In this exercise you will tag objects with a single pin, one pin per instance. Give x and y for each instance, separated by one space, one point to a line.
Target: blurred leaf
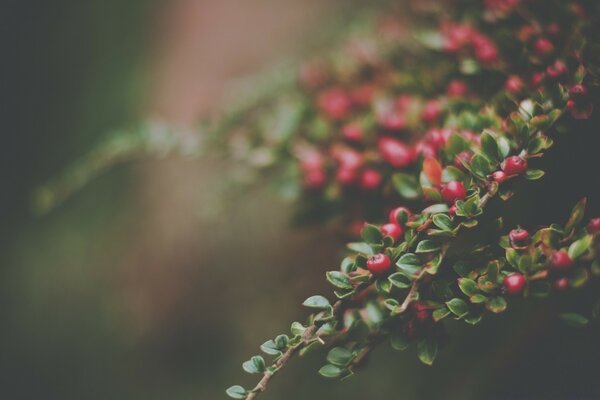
339 279
339 356
331 371
575 320
458 307
427 351
427 246
236 392
255 365
576 214
406 185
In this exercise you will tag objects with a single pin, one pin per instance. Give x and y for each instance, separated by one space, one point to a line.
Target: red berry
537 78
560 260
393 121
514 165
395 152
345 176
486 53
556 70
453 191
499 176
577 91
421 312
335 103
452 210
392 230
396 214
571 104
314 179
514 84
431 111
518 237
561 284
456 88
379 264
352 132
543 46
594 225
514 283
370 179
464 156
425 149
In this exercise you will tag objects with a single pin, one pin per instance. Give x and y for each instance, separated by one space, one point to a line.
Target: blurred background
123 292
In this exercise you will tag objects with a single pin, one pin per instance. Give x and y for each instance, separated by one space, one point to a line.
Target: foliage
442 122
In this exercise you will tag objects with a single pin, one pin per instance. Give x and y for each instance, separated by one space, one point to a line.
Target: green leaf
580 246
361 247
409 264
331 371
462 268
503 147
406 186
371 234
477 298
427 246
297 328
236 392
575 320
443 222
496 304
456 144
339 356
281 341
427 350
534 174
458 307
399 342
489 146
436 208
399 280
391 304
451 173
576 214
339 279
473 319
440 314
255 365
270 348
316 301
467 286
481 166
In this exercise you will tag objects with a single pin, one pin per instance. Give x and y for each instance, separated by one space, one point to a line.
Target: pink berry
514 165
499 176
397 212
370 179
561 284
543 46
514 84
560 260
335 103
379 264
457 88
453 191
594 225
431 111
392 230
514 283
352 132
518 237
395 152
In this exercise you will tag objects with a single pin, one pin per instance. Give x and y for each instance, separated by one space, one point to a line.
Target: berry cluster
433 135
